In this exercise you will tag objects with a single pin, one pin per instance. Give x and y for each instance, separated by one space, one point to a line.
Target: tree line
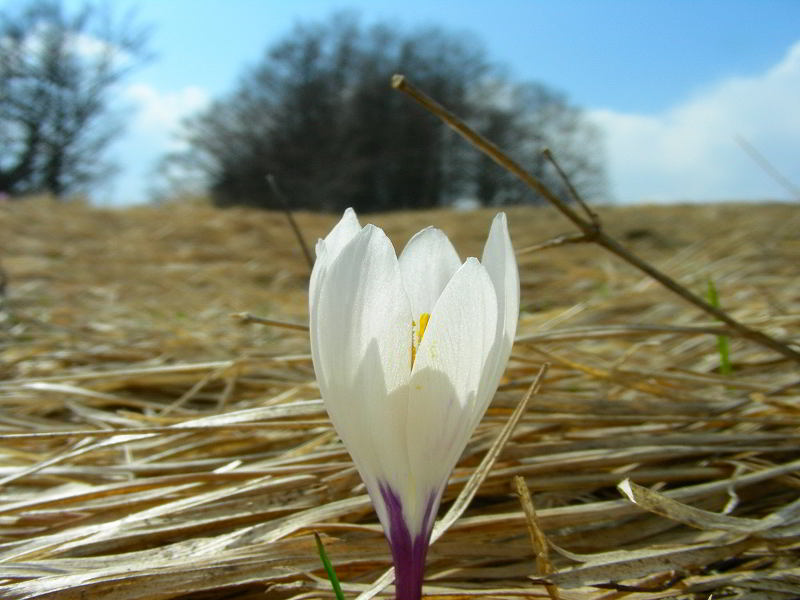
57 70
316 112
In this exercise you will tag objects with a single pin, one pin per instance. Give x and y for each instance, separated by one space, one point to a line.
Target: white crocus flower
408 354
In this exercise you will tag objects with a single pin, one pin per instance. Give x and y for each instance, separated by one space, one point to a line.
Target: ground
120 320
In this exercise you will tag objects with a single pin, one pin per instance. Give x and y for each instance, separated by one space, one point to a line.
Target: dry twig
592 230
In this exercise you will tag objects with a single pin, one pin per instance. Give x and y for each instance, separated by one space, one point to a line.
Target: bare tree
318 113
57 71
525 118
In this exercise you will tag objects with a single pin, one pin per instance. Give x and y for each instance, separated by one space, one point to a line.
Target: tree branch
592 230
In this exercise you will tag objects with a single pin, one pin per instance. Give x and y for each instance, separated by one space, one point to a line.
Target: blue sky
671 83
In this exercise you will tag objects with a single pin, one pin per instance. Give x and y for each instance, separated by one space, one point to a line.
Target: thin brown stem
245 317
290 217
593 232
399 82
768 167
3 281
593 216
538 539
561 240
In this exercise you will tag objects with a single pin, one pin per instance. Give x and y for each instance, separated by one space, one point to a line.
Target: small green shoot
723 346
337 589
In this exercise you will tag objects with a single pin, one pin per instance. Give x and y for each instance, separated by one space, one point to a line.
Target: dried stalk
592 229
538 539
248 318
290 217
768 167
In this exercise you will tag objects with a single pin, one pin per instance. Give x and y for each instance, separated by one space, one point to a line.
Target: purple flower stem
408 554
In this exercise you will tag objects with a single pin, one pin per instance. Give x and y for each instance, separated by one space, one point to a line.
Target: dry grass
154 448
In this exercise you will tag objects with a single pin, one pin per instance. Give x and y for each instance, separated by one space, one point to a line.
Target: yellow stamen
423 324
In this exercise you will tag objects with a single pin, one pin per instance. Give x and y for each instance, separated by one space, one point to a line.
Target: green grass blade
723 346
337 589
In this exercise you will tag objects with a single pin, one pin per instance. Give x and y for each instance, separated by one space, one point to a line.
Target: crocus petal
363 300
344 231
427 263
501 264
327 250
447 373
360 340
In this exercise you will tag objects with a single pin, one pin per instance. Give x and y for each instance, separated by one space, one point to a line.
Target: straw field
156 447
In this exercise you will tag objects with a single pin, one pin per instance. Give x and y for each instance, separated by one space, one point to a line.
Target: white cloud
160 113
151 132
690 152
93 48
